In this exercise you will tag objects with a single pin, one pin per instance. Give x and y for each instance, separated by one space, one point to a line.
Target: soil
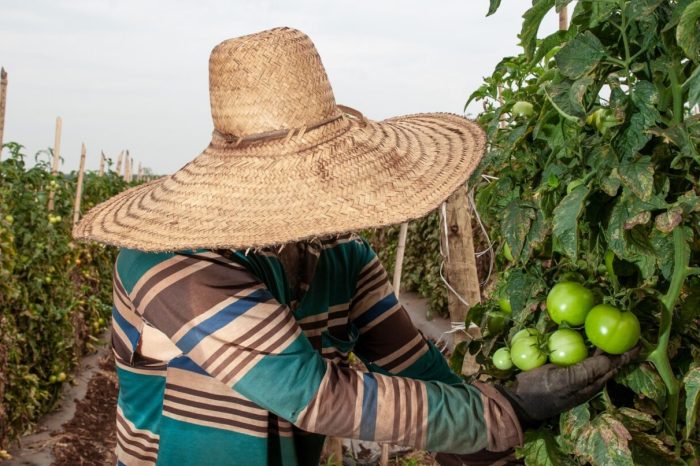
90 437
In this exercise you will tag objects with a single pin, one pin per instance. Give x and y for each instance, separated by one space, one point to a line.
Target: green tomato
612 330
504 304
61 377
566 347
527 354
501 359
526 332
522 109
569 302
9 219
507 253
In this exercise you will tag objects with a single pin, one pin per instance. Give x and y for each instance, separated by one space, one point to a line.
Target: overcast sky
132 74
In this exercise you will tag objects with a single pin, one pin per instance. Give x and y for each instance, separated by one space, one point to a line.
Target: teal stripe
369 407
141 398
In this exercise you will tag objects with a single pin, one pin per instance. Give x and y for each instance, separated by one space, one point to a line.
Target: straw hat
286 163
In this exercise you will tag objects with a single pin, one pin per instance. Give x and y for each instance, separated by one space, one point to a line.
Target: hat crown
268 81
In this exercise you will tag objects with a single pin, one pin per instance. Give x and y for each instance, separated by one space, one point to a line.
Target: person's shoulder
132 264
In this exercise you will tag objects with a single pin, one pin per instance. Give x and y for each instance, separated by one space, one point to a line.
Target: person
241 288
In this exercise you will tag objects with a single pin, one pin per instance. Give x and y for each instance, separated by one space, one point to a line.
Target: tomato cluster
569 304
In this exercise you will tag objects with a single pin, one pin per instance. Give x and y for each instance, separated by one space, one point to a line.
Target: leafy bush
55 295
599 184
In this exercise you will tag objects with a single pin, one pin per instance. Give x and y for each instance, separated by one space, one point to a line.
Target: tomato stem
659 356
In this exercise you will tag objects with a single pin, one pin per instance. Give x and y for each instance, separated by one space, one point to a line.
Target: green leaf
565 220
644 381
548 43
520 287
691 385
573 421
580 55
605 441
535 236
638 176
531 24
541 449
646 98
516 223
688 33
610 186
633 137
493 6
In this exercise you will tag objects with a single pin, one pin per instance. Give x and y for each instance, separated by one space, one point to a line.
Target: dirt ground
90 437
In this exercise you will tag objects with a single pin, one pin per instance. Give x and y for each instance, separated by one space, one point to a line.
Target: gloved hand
544 392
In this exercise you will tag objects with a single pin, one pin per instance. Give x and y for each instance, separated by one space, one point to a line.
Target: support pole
3 99
460 266
102 163
119 163
56 158
564 18
79 187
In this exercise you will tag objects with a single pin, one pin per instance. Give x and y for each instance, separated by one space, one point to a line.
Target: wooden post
139 174
126 167
119 163
56 157
131 170
564 18
79 187
460 265
102 163
3 98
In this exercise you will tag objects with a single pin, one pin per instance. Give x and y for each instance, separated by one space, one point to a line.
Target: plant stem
676 92
659 356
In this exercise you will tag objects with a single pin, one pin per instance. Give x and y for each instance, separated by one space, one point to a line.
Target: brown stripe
122 351
162 275
410 352
313 325
364 281
218 408
368 269
211 396
387 336
121 442
420 441
291 329
233 344
195 294
408 420
133 443
336 411
250 347
357 299
219 420
140 435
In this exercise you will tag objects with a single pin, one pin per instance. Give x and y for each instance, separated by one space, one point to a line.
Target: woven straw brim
346 176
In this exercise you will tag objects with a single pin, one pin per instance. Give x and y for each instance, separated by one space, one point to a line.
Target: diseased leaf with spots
648 450
636 420
633 137
638 176
644 381
604 441
580 55
667 221
565 221
691 386
688 32
517 221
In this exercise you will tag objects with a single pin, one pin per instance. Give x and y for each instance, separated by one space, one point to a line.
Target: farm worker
239 292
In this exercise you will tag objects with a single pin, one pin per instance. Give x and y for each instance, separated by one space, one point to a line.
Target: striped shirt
218 364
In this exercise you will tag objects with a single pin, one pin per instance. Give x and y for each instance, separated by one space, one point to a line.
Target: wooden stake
460 266
126 167
102 163
79 187
56 157
131 170
119 163
564 18
400 251
140 174
3 98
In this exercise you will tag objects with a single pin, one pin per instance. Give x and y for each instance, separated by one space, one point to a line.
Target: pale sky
133 74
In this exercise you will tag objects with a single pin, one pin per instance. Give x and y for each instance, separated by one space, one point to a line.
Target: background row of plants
55 294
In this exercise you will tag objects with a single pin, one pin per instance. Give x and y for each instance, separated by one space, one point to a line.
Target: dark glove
544 392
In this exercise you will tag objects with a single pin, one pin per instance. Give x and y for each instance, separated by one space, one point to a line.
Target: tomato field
591 177
55 295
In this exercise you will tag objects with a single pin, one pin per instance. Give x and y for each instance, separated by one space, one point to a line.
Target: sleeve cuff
503 427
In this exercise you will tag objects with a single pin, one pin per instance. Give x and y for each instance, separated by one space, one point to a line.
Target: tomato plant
600 186
55 295
612 330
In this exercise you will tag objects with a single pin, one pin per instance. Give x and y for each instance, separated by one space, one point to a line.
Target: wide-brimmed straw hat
286 163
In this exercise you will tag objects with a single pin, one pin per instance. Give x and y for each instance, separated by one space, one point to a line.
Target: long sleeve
388 342
228 326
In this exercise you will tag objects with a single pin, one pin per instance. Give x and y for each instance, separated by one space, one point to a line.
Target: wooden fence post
139 174
564 18
102 163
126 166
3 98
79 187
56 158
131 170
460 265
119 163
